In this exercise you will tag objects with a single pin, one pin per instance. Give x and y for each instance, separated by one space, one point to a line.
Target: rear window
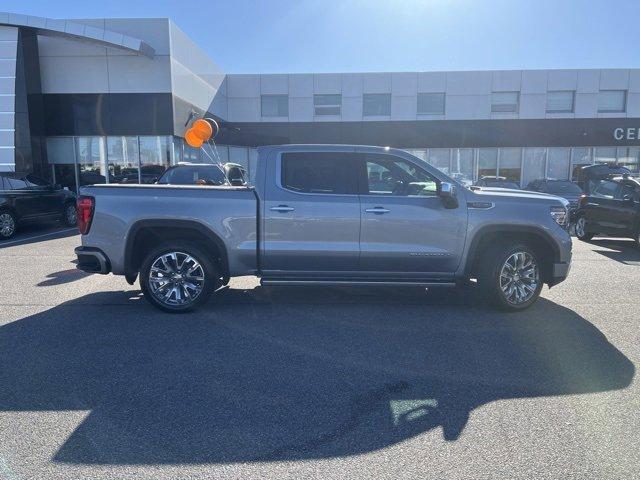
319 172
200 175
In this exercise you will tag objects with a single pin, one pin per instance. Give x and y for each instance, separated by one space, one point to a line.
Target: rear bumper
92 260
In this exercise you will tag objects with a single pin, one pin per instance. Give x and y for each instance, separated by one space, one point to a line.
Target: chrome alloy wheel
7 225
176 279
519 278
581 224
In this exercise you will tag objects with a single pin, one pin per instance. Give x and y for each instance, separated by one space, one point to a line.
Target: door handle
377 210
282 208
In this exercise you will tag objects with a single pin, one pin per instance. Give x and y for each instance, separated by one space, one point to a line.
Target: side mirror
236 182
447 192
627 198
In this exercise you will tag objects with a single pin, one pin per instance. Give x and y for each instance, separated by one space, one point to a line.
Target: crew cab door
311 214
406 228
600 209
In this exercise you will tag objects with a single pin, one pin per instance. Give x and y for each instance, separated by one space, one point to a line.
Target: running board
362 283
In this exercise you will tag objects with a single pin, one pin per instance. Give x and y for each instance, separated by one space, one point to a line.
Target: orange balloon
202 129
192 138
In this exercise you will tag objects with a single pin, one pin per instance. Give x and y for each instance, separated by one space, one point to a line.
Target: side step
362 283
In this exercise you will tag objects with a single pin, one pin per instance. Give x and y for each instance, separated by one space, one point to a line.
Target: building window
431 104
462 165
580 157
504 102
558 160
123 159
275 105
560 101
612 101
487 162
376 104
604 155
439 158
510 165
327 104
534 164
629 157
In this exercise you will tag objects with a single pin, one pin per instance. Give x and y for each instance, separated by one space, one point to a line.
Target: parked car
611 209
194 174
25 198
562 188
497 182
312 218
589 176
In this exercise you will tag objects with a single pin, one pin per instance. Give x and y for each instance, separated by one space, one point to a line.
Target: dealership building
108 100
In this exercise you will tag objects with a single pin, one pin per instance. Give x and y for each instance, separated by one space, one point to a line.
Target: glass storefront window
534 164
580 157
511 164
439 158
421 153
558 163
629 157
604 155
487 162
123 159
90 160
462 165
61 156
155 157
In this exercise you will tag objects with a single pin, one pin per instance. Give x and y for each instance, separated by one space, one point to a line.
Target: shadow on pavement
38 233
288 374
623 251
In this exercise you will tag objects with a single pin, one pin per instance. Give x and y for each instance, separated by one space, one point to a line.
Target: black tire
210 280
69 215
489 277
582 233
8 224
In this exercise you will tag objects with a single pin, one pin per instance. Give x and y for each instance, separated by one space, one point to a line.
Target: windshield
563 188
194 175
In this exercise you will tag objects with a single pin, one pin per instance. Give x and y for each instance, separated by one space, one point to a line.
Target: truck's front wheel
510 276
178 278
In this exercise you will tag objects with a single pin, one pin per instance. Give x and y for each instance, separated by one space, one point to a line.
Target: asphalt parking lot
316 383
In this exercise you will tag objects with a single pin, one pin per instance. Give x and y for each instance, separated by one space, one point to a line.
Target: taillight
85 208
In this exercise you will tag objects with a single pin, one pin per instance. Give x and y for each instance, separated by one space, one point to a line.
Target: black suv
562 188
612 209
25 198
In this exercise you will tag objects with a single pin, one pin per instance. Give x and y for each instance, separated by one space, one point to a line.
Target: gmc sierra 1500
326 214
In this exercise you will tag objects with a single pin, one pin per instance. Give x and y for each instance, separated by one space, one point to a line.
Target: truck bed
229 212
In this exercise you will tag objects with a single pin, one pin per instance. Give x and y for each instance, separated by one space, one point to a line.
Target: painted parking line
33 237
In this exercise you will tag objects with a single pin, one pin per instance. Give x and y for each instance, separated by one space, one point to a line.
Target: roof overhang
77 31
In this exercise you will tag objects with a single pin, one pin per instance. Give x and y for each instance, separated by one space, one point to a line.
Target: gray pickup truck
326 215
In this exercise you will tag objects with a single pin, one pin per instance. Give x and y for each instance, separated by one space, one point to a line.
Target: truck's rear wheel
178 278
510 276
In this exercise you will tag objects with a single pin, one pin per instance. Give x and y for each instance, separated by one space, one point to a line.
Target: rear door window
17 183
606 189
319 172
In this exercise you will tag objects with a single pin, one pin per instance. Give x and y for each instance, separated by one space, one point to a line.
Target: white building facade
107 100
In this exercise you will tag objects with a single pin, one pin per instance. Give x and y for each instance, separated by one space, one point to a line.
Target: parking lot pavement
316 383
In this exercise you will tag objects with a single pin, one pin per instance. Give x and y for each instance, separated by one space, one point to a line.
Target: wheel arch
146 234
541 241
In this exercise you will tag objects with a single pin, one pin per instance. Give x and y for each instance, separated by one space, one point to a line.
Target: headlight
560 215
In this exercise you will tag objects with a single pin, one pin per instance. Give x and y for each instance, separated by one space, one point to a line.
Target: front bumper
92 260
559 273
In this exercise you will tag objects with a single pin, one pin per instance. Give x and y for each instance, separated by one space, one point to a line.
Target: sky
287 36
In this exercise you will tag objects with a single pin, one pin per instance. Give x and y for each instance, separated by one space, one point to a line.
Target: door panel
311 214
405 226
601 207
